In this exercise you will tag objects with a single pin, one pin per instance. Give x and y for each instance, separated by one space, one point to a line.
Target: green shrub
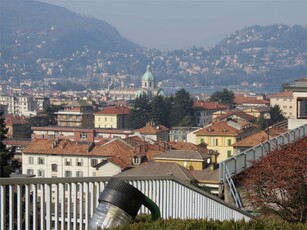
144 222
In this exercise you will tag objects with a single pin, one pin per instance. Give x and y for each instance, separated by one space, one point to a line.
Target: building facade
299 89
19 104
113 117
76 114
204 111
221 136
285 102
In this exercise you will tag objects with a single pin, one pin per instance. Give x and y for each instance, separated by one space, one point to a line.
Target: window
41 160
94 162
228 153
136 160
83 135
67 161
229 142
40 172
67 173
30 171
111 119
79 162
79 174
215 142
30 160
54 167
98 118
105 118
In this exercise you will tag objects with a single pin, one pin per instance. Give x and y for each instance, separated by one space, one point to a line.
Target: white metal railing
68 203
238 163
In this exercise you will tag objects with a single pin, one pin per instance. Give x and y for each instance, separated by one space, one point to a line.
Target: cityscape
216 133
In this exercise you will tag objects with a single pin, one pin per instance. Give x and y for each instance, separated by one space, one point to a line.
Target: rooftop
160 169
209 105
152 129
113 110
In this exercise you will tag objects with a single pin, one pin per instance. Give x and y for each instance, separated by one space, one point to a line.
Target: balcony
68 203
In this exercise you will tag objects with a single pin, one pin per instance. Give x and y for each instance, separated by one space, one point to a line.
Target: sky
181 24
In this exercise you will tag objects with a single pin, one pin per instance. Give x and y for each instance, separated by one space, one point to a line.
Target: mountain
39 41
48 30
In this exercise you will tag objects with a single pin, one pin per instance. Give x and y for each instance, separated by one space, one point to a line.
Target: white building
65 158
285 102
299 104
19 104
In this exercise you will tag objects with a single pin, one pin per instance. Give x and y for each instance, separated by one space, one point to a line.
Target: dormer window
136 160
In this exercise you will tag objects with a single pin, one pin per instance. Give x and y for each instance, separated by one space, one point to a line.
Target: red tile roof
60 147
282 94
16 120
188 146
259 137
152 129
240 114
116 150
223 128
209 105
239 99
113 110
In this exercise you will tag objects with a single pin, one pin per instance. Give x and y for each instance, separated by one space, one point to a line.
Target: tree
277 183
160 111
45 118
225 97
182 106
139 114
7 162
276 116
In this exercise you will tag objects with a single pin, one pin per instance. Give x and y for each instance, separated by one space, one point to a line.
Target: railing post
11 205
3 211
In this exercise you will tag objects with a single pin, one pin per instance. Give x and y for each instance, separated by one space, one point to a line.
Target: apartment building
65 158
76 114
220 136
114 117
204 111
19 104
284 100
299 89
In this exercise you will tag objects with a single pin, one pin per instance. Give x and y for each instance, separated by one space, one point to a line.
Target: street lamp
267 117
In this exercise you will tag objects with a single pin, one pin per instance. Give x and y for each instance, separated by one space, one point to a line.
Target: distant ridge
39 40
62 31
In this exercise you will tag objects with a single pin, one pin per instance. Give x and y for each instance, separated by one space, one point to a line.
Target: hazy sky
180 24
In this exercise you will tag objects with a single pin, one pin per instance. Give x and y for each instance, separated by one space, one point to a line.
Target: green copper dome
148 75
141 92
161 93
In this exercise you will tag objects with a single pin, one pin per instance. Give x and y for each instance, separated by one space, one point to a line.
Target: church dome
161 92
141 93
148 75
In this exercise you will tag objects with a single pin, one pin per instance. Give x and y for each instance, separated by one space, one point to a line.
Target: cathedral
148 88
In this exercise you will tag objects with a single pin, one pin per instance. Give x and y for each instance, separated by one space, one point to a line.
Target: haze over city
171 24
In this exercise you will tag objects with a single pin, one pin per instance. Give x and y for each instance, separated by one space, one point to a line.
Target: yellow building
114 117
220 136
190 159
